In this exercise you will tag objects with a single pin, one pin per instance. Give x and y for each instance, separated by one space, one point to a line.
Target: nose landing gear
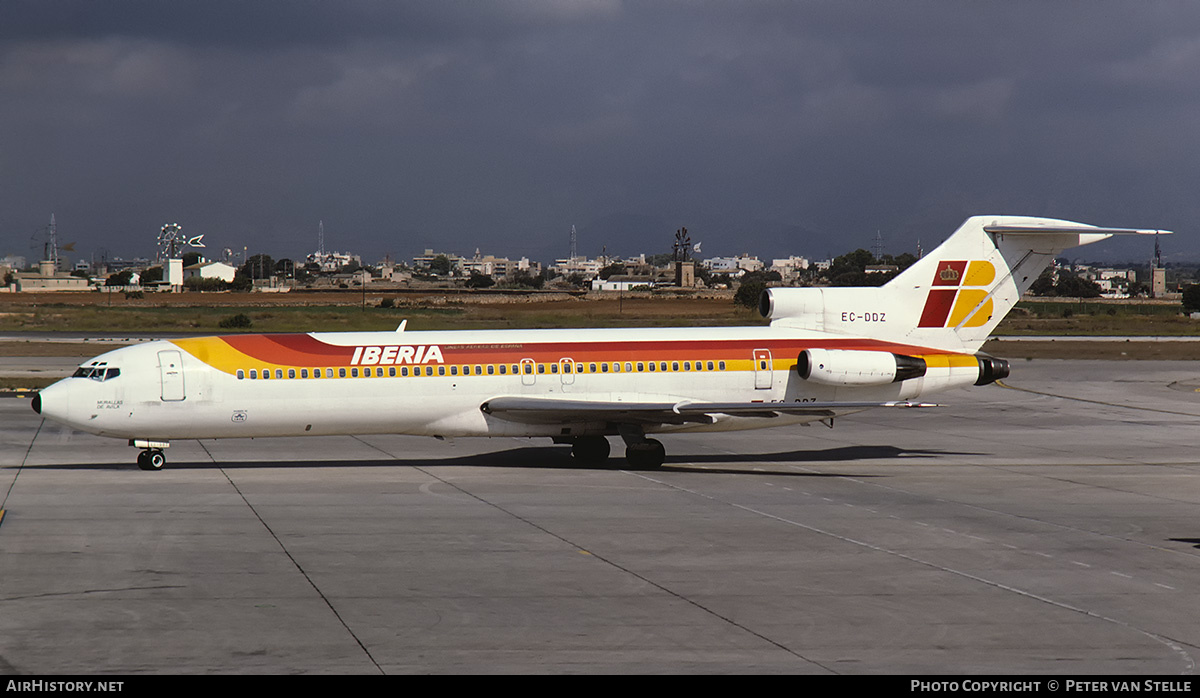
151 459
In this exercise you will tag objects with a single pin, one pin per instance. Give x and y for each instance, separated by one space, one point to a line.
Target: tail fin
953 297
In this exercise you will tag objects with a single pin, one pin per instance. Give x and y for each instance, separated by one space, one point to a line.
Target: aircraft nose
52 402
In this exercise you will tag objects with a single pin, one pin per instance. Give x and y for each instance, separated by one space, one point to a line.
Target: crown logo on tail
949 274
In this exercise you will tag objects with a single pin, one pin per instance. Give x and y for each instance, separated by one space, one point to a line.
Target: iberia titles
371 356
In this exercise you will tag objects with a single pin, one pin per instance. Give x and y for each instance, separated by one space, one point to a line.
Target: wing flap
536 410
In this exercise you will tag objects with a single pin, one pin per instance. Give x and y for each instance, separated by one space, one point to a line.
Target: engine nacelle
851 367
776 303
991 369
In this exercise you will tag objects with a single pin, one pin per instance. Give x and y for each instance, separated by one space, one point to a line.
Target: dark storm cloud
767 127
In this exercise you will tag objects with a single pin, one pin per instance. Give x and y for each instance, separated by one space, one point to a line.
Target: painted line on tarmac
1106 403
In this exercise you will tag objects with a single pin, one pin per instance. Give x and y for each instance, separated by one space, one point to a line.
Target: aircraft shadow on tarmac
532 457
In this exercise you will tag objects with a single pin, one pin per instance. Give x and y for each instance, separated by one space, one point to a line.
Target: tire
646 454
590 450
151 460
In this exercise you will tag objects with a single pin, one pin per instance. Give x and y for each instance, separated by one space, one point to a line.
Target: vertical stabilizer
953 297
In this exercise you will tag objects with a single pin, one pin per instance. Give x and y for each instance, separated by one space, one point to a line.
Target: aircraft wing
538 410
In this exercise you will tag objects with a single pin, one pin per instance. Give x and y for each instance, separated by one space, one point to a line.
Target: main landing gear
590 450
647 453
640 452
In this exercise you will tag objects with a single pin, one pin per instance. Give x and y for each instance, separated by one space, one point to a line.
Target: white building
621 282
498 267
332 261
733 265
425 261
589 268
790 267
210 270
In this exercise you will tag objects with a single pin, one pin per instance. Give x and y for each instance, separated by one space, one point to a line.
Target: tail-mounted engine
991 369
851 367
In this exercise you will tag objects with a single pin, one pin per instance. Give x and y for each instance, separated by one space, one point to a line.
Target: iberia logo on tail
959 289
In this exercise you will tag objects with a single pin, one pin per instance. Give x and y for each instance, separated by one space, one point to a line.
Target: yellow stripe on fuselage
216 353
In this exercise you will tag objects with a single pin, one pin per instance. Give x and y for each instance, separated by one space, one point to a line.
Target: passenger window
591 368
266 374
662 365
279 373
429 370
304 373
253 373
553 368
710 365
291 373
241 374
651 366
604 368
478 370
503 369
354 373
629 367
391 371
441 370
687 365
721 365
466 370
492 369
674 365
404 371
329 373
579 368
641 366
342 372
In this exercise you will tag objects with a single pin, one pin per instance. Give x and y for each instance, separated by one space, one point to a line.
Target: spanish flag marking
959 288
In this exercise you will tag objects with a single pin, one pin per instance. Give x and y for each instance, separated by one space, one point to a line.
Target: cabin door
762 369
170 369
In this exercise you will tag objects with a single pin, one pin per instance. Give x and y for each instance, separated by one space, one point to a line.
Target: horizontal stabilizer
1060 229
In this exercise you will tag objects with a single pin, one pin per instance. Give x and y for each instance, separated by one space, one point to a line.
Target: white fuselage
434 383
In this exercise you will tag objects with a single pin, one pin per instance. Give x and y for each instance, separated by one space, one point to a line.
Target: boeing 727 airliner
827 352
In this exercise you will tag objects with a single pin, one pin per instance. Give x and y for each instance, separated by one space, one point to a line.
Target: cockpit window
96 372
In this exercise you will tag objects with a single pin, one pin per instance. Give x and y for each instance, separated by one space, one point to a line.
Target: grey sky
765 127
